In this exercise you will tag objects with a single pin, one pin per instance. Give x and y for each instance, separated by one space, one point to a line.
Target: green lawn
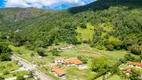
75 73
8 66
21 73
54 77
116 77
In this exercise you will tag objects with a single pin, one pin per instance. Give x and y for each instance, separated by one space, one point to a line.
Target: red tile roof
73 61
59 58
58 71
128 70
135 64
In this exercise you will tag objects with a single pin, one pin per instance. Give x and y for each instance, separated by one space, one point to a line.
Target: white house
59 61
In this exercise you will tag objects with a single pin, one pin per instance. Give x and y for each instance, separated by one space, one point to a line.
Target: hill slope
115 25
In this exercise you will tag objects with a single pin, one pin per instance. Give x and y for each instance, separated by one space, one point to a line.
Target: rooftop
135 64
128 70
58 71
73 61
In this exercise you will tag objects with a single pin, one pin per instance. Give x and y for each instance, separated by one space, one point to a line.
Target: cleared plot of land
85 34
8 66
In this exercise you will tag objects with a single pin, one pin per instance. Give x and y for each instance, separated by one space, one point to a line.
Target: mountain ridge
115 26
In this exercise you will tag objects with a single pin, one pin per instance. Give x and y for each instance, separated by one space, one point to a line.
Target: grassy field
113 55
54 77
26 54
14 74
116 77
73 73
8 66
85 34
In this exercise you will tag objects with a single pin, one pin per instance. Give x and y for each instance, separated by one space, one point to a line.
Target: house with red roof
58 72
128 71
73 61
135 64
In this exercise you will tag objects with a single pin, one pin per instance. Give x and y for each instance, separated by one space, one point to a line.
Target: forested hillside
104 24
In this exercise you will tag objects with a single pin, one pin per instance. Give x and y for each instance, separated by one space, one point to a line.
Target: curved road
31 66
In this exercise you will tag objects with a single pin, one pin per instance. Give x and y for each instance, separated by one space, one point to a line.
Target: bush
129 57
1 78
20 78
55 52
83 59
5 72
110 47
19 52
41 52
5 57
136 50
135 75
83 25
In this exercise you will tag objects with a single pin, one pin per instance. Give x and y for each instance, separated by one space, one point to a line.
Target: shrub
136 50
55 52
83 25
19 52
5 72
20 78
83 59
41 52
110 47
5 57
1 78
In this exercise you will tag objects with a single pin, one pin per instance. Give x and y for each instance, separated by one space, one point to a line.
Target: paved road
31 66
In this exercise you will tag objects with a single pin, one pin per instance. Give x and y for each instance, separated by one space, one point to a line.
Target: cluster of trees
4 52
84 59
135 75
102 66
116 26
99 64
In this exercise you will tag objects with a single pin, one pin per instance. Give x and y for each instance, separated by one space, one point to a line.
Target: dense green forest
116 25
